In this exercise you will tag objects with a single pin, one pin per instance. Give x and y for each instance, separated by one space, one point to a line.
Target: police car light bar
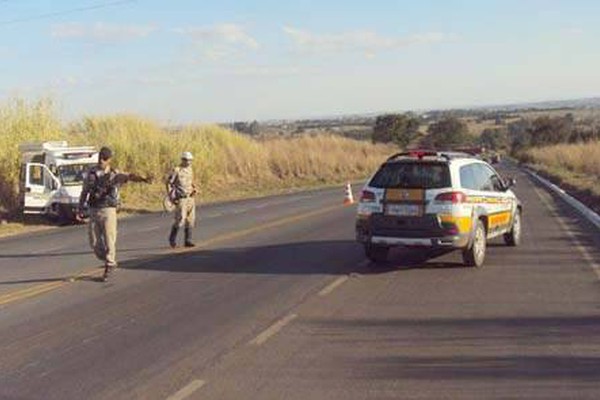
417 154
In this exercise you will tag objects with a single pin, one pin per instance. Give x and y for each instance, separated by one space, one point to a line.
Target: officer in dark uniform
101 193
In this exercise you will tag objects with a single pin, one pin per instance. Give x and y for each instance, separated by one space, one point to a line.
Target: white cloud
5 52
573 31
367 42
151 80
101 31
220 41
70 81
270 71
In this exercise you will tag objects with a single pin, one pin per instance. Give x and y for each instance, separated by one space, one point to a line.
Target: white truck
51 179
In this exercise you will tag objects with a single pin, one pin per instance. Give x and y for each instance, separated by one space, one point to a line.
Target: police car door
498 203
39 186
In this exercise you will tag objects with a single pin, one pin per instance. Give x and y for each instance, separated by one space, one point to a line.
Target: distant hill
586 103
592 102
360 125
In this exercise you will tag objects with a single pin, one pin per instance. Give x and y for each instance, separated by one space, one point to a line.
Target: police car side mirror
510 182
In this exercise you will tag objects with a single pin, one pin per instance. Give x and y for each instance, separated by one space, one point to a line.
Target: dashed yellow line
36 290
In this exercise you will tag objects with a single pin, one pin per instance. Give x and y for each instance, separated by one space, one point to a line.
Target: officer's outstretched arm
135 178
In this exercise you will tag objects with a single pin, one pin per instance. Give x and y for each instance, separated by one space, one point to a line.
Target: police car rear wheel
513 238
377 254
475 254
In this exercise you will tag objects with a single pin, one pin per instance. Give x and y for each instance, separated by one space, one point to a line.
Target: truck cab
52 175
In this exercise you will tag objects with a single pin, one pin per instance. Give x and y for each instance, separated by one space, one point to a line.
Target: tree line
404 130
450 131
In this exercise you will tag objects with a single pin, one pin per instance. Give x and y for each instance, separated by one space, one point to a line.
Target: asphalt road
279 303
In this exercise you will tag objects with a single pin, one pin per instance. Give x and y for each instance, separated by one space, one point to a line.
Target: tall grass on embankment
227 164
21 122
574 165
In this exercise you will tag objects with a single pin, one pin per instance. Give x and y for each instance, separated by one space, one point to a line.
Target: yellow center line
30 292
96 271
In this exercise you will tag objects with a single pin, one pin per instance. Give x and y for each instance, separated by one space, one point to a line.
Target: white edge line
187 390
563 225
588 213
333 285
272 330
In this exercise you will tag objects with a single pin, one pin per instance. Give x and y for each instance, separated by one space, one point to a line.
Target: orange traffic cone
348 198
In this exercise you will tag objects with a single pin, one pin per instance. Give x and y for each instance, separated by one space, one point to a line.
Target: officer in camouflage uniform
180 185
101 193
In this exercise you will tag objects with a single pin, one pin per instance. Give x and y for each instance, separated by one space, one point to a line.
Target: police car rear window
412 175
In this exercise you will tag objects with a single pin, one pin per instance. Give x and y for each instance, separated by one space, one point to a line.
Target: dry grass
577 164
21 122
581 158
227 164
476 127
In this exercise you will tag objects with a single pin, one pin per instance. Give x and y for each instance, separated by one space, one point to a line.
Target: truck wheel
474 255
66 216
513 238
376 253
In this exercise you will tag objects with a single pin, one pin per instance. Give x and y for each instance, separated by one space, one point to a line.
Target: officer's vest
180 188
104 193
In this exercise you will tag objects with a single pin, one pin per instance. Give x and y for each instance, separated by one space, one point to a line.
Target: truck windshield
412 175
72 175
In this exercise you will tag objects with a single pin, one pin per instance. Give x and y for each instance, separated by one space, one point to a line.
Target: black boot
173 237
188 237
108 271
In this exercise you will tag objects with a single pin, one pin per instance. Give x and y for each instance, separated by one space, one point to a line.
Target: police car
437 200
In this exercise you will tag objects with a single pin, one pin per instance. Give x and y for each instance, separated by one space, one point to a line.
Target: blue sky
184 60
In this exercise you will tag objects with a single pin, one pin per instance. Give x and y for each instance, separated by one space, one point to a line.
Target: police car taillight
367 197
451 197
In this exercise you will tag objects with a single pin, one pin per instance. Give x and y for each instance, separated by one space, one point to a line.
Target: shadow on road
515 367
83 252
327 257
25 281
473 336
304 258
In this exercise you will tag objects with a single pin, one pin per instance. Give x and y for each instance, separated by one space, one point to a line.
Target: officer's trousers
185 213
102 231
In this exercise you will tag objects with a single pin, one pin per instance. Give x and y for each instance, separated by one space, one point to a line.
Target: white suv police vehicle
431 199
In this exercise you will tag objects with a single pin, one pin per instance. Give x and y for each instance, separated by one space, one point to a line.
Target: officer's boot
188 237
107 272
173 237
